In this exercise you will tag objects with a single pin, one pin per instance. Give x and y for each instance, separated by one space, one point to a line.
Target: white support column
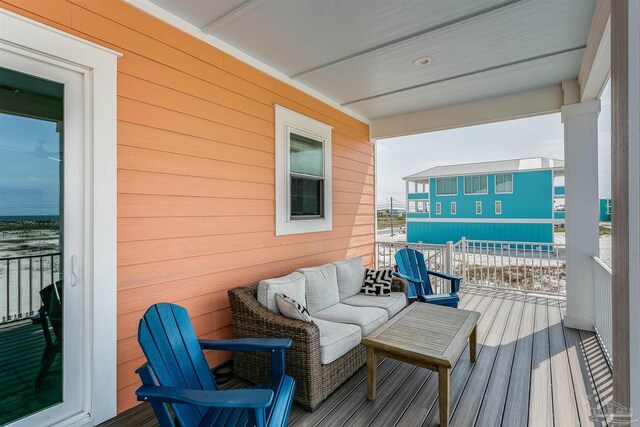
581 208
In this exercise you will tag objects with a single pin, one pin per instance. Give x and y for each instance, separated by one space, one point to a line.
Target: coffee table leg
372 368
473 344
443 396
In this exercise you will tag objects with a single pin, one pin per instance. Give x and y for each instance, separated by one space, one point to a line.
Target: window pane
475 184
305 155
504 183
306 197
445 186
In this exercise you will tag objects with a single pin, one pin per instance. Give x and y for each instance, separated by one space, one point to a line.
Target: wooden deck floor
530 371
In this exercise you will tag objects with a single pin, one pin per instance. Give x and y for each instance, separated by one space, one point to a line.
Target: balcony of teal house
418 196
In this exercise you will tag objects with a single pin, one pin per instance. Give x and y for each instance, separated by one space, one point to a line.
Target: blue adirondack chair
177 374
412 268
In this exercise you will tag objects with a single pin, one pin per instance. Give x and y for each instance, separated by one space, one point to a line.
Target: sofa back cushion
321 287
292 285
350 274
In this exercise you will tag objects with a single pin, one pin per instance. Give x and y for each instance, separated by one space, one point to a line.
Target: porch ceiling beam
407 37
596 62
513 106
231 16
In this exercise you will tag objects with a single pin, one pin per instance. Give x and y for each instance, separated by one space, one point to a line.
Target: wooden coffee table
425 335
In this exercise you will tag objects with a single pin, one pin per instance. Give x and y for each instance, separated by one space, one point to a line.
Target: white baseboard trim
583 323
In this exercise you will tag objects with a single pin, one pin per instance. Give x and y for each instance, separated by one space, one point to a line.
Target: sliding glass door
41 202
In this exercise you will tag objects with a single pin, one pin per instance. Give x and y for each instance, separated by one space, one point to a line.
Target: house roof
513 165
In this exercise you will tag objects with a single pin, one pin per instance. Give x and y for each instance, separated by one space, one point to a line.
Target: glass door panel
31 245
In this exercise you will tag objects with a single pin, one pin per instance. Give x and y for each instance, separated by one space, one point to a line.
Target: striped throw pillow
292 308
377 282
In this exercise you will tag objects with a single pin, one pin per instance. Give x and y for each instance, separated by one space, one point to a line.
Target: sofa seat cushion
393 303
336 339
291 285
321 287
350 276
368 318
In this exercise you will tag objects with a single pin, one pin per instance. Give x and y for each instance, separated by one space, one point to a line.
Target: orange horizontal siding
196 173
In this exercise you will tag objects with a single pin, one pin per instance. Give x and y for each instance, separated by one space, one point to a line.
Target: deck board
530 370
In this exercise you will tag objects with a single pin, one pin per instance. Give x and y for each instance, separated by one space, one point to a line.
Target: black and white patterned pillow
292 308
377 282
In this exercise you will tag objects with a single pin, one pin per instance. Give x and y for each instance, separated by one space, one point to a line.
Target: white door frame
96 67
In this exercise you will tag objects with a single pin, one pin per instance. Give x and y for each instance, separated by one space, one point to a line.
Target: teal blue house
507 200
605 210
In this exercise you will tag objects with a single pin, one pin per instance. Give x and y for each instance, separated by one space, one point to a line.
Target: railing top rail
406 244
602 264
505 242
30 256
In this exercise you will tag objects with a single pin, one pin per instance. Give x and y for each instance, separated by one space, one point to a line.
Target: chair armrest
443 275
455 280
245 398
407 278
246 344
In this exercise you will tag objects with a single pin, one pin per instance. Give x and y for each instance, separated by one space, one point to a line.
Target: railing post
464 250
448 258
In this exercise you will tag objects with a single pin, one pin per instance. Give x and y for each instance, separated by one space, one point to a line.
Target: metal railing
21 279
604 325
524 266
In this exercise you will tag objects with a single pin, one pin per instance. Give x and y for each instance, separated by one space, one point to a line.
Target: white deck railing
523 266
604 326
21 279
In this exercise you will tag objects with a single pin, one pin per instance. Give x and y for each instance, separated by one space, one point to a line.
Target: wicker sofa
317 370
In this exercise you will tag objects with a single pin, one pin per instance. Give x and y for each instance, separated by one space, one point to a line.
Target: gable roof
499 166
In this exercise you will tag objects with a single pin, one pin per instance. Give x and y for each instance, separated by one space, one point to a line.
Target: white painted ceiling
360 53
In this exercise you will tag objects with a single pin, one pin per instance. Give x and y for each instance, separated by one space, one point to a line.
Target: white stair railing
604 325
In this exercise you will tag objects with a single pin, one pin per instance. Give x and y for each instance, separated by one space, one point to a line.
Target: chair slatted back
169 343
411 262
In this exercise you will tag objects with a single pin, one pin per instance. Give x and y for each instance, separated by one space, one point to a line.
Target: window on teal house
498 207
446 186
478 208
476 184
453 208
504 183
438 208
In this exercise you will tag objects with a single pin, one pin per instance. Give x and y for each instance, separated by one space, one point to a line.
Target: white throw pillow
292 308
350 276
292 284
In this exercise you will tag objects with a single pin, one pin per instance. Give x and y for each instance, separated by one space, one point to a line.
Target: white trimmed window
504 183
478 208
303 174
453 208
498 207
476 184
446 186
438 208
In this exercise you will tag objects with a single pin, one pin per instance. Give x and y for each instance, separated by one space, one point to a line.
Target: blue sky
29 184
533 137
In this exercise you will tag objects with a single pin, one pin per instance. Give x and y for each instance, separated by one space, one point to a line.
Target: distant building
605 210
507 200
